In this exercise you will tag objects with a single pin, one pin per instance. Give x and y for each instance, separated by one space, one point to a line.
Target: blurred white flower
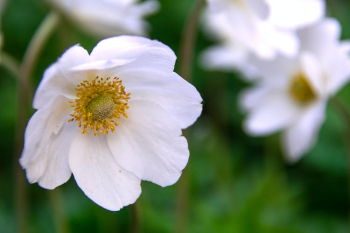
112 118
106 18
293 92
294 14
255 28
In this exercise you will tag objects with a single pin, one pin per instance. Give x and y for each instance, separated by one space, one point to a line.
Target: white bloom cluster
105 18
112 118
293 54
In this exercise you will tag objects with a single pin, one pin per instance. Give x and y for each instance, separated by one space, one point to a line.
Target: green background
236 183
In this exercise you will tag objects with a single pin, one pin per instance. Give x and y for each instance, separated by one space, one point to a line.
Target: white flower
293 92
294 14
256 28
112 118
106 18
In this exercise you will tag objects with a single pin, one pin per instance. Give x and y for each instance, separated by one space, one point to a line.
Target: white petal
293 14
302 135
148 7
43 123
320 37
228 58
259 8
337 67
174 94
284 41
150 53
252 97
224 57
314 73
101 65
135 24
149 144
108 17
276 72
99 175
51 168
56 81
235 23
102 69
275 112
74 56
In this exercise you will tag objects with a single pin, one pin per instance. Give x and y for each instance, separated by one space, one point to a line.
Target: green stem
135 218
188 40
345 114
35 47
24 97
182 209
10 64
57 207
187 48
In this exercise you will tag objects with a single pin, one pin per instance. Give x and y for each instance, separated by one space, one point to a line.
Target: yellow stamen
98 104
301 90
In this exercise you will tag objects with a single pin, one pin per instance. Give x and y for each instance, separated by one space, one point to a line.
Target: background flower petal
276 111
293 14
313 69
337 67
277 72
251 97
302 135
105 18
228 57
260 8
320 37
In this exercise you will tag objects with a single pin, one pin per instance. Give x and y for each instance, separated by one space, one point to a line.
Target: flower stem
35 47
187 48
10 64
188 40
345 114
135 218
24 92
57 206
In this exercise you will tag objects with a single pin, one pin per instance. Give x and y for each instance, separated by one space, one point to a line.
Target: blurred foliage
237 183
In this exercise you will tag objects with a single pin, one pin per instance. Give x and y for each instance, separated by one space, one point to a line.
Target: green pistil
101 107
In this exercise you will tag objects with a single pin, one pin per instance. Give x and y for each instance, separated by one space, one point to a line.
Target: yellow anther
98 103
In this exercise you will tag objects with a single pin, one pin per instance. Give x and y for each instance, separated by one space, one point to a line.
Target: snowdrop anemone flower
264 29
293 92
112 118
104 18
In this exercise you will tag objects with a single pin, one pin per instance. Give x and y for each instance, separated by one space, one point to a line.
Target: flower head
112 118
293 92
263 29
105 18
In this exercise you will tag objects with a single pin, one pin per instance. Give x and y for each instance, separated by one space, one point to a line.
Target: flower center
301 90
101 107
98 104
